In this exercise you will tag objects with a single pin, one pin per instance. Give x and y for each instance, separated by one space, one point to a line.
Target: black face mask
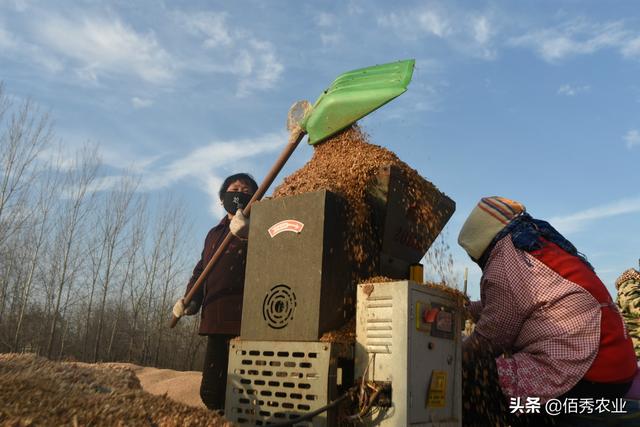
234 200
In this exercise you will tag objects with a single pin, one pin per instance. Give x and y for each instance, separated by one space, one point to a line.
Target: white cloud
576 37
12 45
205 166
219 153
578 221
429 21
475 33
236 51
423 98
571 90
432 22
330 39
258 67
482 30
632 138
58 158
141 102
7 40
105 183
470 33
325 20
210 24
20 5
631 48
63 156
98 47
356 7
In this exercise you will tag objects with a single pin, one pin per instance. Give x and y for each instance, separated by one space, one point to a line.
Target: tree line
89 265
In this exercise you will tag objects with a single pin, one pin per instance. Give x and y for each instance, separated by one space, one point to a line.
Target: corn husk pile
346 164
345 335
37 392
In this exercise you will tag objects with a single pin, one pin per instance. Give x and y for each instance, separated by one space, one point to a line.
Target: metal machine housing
298 276
409 334
276 381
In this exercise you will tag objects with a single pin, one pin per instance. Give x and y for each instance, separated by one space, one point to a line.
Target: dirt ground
37 392
181 386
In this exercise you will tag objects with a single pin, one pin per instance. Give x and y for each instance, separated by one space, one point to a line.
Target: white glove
180 310
239 225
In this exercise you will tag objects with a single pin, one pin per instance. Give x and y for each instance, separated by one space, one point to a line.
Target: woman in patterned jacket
628 286
546 326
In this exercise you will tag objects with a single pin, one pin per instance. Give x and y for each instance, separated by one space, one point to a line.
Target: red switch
429 316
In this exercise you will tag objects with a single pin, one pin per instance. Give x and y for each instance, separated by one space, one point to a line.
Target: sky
537 101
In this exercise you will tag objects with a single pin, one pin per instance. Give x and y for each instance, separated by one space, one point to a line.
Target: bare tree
35 242
22 138
174 223
65 322
151 271
438 262
139 284
95 250
132 254
8 266
24 133
117 214
78 185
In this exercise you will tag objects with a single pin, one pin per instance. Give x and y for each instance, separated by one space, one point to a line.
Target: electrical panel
409 335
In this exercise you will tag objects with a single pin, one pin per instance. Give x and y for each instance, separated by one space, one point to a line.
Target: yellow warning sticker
436 397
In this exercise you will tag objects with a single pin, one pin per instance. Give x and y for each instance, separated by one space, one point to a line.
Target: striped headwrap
486 220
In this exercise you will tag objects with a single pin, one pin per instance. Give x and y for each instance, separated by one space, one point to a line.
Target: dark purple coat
221 293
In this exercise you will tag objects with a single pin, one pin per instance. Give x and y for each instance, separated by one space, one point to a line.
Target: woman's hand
180 310
239 225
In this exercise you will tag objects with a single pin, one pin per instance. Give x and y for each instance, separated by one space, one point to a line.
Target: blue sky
536 101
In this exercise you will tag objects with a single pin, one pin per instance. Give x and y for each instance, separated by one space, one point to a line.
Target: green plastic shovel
353 95
350 97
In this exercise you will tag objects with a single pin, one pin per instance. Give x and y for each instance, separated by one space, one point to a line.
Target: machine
299 285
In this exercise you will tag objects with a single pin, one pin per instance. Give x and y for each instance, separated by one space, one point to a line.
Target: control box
409 335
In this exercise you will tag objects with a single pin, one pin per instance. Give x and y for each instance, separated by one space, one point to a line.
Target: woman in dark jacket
221 295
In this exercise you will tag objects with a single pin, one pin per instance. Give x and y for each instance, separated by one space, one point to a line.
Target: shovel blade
355 94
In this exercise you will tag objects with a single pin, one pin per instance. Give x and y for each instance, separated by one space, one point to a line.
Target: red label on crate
286 225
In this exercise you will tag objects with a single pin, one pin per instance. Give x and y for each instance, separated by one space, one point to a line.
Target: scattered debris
35 391
376 279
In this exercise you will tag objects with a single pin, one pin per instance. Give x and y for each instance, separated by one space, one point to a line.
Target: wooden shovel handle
294 139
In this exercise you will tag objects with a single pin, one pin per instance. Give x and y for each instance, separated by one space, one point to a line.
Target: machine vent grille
279 306
273 386
379 332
